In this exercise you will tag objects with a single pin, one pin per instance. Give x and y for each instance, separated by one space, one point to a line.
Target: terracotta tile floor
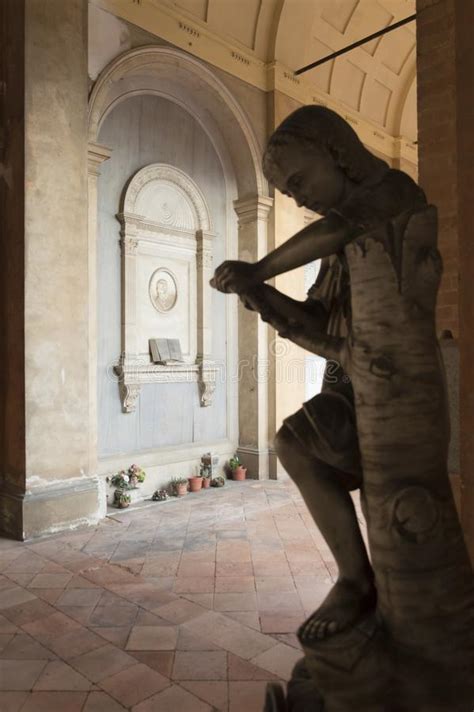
190 604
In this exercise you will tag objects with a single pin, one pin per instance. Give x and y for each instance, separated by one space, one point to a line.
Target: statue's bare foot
345 604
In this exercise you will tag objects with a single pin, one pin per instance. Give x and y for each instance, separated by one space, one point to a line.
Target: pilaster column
289 359
207 368
96 155
253 365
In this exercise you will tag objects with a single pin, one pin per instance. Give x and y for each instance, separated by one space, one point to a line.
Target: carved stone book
165 351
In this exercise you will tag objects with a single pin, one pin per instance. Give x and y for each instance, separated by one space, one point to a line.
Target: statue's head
162 288
316 157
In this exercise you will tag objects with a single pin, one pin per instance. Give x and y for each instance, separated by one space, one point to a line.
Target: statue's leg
325 493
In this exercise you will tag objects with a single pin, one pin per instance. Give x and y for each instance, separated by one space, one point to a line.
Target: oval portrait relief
163 290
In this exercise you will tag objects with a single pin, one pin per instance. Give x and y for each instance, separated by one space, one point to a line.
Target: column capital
96 155
254 208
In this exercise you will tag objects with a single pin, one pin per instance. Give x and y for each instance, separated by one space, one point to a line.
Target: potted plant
124 481
136 475
179 486
121 499
121 482
206 474
239 472
195 482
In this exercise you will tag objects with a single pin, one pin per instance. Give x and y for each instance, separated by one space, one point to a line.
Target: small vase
239 473
134 481
206 482
195 483
181 490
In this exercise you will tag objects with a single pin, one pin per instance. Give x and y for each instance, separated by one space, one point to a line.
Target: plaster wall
143 130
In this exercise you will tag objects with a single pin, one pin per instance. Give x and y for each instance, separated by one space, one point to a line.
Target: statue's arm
320 239
304 323
317 240
276 306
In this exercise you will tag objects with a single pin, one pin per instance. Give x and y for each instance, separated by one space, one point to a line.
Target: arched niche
166 232
175 75
180 78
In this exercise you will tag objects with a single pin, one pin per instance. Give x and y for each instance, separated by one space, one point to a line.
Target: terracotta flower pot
239 473
195 483
181 489
206 482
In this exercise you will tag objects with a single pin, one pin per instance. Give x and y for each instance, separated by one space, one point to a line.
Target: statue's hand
255 300
235 276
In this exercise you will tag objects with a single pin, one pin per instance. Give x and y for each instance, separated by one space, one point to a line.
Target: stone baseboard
49 510
260 464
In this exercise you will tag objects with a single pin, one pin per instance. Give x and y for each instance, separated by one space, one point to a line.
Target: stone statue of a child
315 157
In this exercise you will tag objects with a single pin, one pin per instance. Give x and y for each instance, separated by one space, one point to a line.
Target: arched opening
183 116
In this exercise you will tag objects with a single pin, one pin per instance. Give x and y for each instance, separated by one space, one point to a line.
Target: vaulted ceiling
376 80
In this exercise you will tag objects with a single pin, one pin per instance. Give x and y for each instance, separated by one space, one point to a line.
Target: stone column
96 155
289 359
253 346
58 489
437 141
445 60
465 170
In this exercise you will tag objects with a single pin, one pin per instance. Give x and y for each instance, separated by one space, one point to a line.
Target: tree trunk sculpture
395 634
416 654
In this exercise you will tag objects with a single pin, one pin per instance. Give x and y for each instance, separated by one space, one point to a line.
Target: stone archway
183 79
180 78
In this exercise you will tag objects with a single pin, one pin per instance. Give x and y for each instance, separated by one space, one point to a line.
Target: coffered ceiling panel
338 13
347 83
236 19
376 79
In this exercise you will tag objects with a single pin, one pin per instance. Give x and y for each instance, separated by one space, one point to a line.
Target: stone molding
167 455
255 208
96 155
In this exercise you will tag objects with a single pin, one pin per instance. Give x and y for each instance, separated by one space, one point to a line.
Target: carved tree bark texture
417 653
